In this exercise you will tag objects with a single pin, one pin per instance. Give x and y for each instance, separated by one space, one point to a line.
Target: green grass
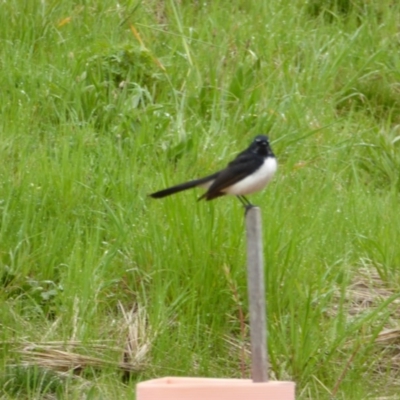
103 103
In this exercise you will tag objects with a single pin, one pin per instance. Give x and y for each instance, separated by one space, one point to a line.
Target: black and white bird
249 172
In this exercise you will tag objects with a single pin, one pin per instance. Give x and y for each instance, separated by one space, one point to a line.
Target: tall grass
105 102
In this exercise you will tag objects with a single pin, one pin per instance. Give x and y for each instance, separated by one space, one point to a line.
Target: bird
249 172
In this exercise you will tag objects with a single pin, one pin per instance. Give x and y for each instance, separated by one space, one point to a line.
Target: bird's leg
246 203
242 200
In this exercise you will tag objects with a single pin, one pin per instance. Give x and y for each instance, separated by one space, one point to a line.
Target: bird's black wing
243 165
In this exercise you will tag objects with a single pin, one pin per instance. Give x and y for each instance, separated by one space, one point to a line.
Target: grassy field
105 102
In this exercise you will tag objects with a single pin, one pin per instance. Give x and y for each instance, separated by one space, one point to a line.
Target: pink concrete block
213 389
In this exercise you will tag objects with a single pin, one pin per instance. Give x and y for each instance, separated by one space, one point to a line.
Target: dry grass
76 356
53 356
369 293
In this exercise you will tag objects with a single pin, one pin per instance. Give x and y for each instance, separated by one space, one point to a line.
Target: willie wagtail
249 172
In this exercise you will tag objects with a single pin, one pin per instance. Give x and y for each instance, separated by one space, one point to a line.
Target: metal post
256 292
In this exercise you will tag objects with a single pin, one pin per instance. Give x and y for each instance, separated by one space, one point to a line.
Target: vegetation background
104 102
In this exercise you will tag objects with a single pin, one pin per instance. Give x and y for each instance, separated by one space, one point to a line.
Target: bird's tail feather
183 186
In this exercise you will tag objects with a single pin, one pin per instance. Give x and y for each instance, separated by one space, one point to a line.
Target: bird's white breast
256 181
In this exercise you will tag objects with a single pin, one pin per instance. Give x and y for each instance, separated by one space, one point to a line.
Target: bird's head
261 141
260 145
